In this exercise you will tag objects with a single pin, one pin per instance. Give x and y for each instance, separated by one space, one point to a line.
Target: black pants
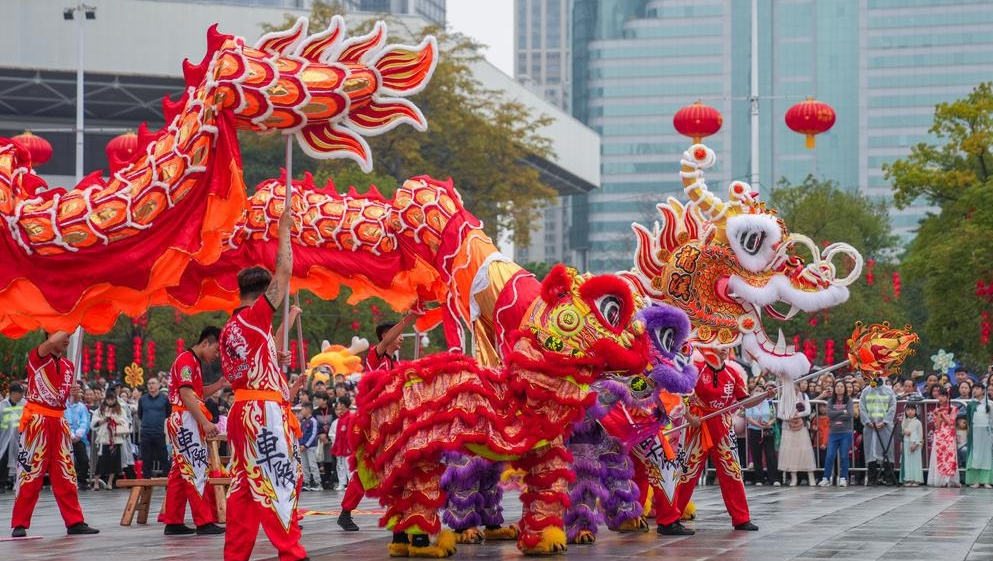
153 454
5 480
81 458
762 444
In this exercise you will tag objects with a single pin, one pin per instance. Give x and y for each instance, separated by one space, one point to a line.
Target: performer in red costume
46 445
265 472
380 357
721 383
187 427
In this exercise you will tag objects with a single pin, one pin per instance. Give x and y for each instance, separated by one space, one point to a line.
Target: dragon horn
694 161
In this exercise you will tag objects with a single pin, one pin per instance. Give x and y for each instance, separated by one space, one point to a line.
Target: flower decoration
942 361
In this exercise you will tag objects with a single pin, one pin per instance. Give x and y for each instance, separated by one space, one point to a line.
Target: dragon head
338 359
725 263
588 319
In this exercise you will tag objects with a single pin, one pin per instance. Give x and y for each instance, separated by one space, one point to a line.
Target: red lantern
897 285
121 149
137 350
111 359
98 359
150 359
293 354
870 264
810 117
86 360
796 341
38 147
984 329
810 349
829 351
356 325
697 121
180 346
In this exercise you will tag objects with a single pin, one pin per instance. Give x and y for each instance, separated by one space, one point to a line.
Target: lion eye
666 338
610 309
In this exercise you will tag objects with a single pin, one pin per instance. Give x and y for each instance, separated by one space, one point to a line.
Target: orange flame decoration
880 348
134 375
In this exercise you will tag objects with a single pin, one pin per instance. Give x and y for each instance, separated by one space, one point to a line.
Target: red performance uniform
354 491
714 439
265 471
188 477
46 444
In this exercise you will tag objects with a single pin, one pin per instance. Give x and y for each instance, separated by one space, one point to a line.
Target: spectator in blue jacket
308 448
153 410
78 417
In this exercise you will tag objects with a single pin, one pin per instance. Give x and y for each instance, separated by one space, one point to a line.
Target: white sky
490 22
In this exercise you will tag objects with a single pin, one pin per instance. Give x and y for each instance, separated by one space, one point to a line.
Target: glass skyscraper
881 64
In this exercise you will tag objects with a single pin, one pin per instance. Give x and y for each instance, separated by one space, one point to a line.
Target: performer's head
252 282
206 348
392 346
58 342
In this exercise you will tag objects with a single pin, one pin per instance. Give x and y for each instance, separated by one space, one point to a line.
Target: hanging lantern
870 264
897 285
98 356
150 359
810 349
120 150
809 118
984 329
137 350
293 354
829 351
180 346
112 359
86 360
356 325
38 147
697 121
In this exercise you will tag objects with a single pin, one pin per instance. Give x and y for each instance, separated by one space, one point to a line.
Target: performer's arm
295 312
217 386
54 342
192 404
280 283
395 332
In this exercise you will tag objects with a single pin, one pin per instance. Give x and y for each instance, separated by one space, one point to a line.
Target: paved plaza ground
854 523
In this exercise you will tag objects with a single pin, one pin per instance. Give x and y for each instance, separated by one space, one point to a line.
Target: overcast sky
491 22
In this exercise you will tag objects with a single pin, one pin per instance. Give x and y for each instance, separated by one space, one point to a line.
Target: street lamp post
79 12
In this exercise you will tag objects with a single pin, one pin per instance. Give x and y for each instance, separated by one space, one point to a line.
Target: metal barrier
925 413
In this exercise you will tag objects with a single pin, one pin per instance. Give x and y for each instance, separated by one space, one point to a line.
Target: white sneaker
824 483
759 484
339 488
776 484
842 482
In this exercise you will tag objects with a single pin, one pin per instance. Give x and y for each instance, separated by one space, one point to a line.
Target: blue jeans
838 444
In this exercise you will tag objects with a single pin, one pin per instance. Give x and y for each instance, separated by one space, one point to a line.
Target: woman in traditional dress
943 468
796 453
979 466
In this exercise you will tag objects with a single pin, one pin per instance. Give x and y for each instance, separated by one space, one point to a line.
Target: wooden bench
140 498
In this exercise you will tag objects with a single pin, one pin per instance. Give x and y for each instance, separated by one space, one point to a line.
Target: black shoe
747 527
19 532
81 529
674 529
179 530
209 529
346 522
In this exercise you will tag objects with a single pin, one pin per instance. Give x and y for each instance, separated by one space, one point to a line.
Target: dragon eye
665 337
610 309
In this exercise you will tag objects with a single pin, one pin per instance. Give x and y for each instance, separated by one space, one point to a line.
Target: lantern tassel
811 140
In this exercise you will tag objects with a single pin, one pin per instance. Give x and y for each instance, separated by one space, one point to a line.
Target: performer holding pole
187 427
46 445
721 381
264 472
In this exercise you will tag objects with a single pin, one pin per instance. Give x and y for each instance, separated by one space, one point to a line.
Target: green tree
951 253
827 214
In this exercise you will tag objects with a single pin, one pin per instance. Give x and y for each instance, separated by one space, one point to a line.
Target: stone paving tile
852 524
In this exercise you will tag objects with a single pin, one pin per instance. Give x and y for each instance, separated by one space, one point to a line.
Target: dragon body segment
181 193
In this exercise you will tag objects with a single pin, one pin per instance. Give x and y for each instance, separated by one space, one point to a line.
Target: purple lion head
670 367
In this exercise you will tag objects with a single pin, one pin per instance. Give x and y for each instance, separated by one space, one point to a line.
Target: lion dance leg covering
45 447
548 476
586 492
461 483
623 506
